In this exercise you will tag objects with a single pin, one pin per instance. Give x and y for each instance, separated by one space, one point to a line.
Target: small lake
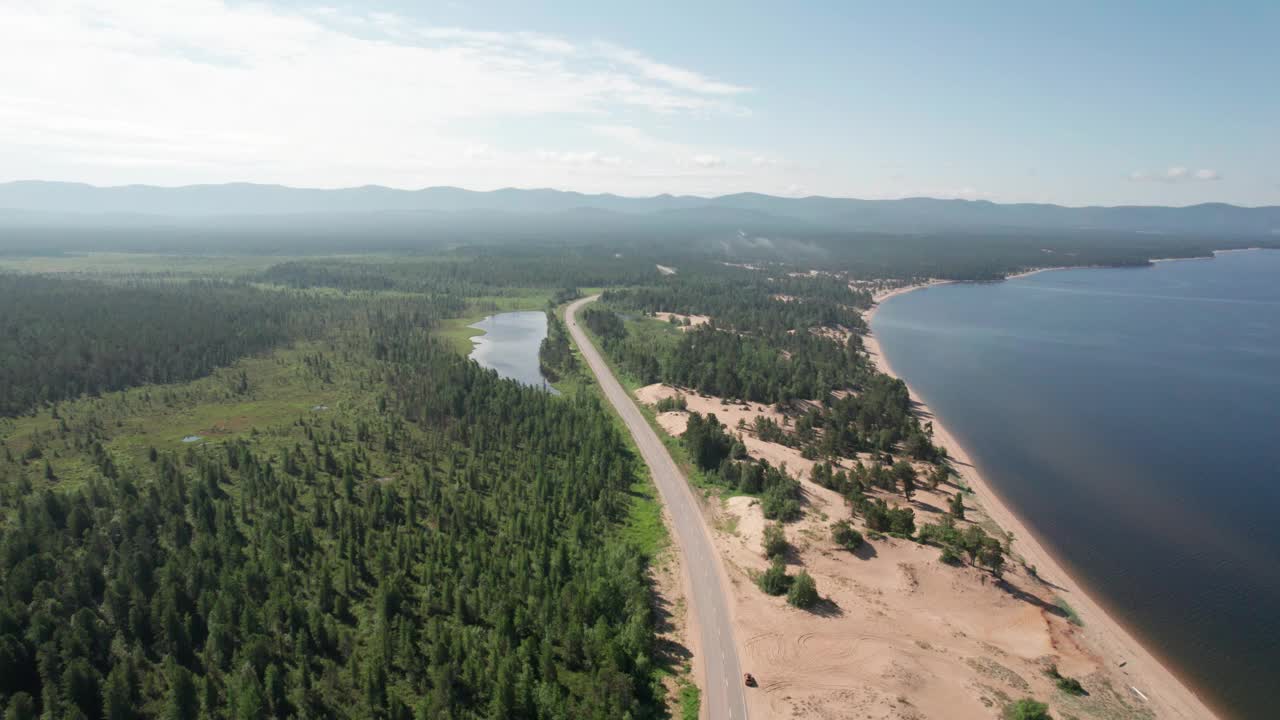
510 345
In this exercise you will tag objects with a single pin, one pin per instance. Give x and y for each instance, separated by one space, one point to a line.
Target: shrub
775 580
779 501
1068 685
804 592
882 518
775 541
845 536
1027 709
674 402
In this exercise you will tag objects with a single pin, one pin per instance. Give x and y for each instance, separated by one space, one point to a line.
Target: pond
510 345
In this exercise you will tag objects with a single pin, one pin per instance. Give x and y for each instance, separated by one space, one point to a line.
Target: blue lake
1132 417
510 345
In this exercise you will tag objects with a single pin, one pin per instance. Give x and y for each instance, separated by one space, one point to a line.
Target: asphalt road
722 688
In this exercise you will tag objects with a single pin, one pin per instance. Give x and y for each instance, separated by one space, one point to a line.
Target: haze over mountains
38 203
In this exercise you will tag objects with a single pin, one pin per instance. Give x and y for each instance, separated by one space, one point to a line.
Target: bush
674 402
1071 686
804 592
775 541
882 518
780 503
1068 685
775 580
845 536
1027 709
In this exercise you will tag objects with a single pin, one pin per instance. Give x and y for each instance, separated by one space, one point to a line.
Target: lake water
510 345
1132 417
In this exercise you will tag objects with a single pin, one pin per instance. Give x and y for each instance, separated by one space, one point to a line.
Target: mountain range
55 203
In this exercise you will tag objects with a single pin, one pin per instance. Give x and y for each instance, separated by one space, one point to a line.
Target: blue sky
1075 103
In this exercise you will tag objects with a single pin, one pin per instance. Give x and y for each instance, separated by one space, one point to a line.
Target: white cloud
206 91
572 158
673 76
707 160
1175 174
479 151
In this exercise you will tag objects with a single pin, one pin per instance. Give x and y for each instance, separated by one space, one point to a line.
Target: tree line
69 337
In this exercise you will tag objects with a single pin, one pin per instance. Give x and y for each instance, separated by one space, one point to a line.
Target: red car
748 680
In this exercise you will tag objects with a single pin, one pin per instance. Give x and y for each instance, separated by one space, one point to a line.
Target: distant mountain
36 202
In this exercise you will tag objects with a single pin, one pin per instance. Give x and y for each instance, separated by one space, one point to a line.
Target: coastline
1165 693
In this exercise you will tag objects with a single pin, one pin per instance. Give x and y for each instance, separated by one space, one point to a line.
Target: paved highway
722 688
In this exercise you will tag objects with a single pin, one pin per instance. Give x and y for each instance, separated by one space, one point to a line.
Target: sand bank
898 634
1144 674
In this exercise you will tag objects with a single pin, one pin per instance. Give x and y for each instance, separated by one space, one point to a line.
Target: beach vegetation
880 517
1068 685
775 580
672 403
1067 611
774 540
803 592
904 474
1027 709
938 476
844 535
982 549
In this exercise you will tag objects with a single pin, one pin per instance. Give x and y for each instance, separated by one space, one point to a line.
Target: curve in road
722 676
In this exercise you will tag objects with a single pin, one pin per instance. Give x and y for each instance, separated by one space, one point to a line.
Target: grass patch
1067 611
458 335
644 527
690 700
455 332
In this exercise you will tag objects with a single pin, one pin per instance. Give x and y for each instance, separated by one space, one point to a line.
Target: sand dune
899 634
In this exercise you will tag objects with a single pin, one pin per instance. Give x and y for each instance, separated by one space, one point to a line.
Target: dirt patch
686 321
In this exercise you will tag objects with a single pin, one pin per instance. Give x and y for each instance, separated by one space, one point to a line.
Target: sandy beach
1147 677
899 635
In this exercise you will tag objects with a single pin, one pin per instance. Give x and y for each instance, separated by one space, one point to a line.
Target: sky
1076 103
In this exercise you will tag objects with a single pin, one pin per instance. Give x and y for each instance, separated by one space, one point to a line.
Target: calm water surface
1132 417
510 345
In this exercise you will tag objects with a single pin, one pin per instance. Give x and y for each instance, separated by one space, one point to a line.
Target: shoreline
1167 694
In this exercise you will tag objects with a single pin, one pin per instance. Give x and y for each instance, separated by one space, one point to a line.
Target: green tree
182 701
803 592
248 701
775 580
80 687
117 695
21 707
775 540
905 473
844 535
